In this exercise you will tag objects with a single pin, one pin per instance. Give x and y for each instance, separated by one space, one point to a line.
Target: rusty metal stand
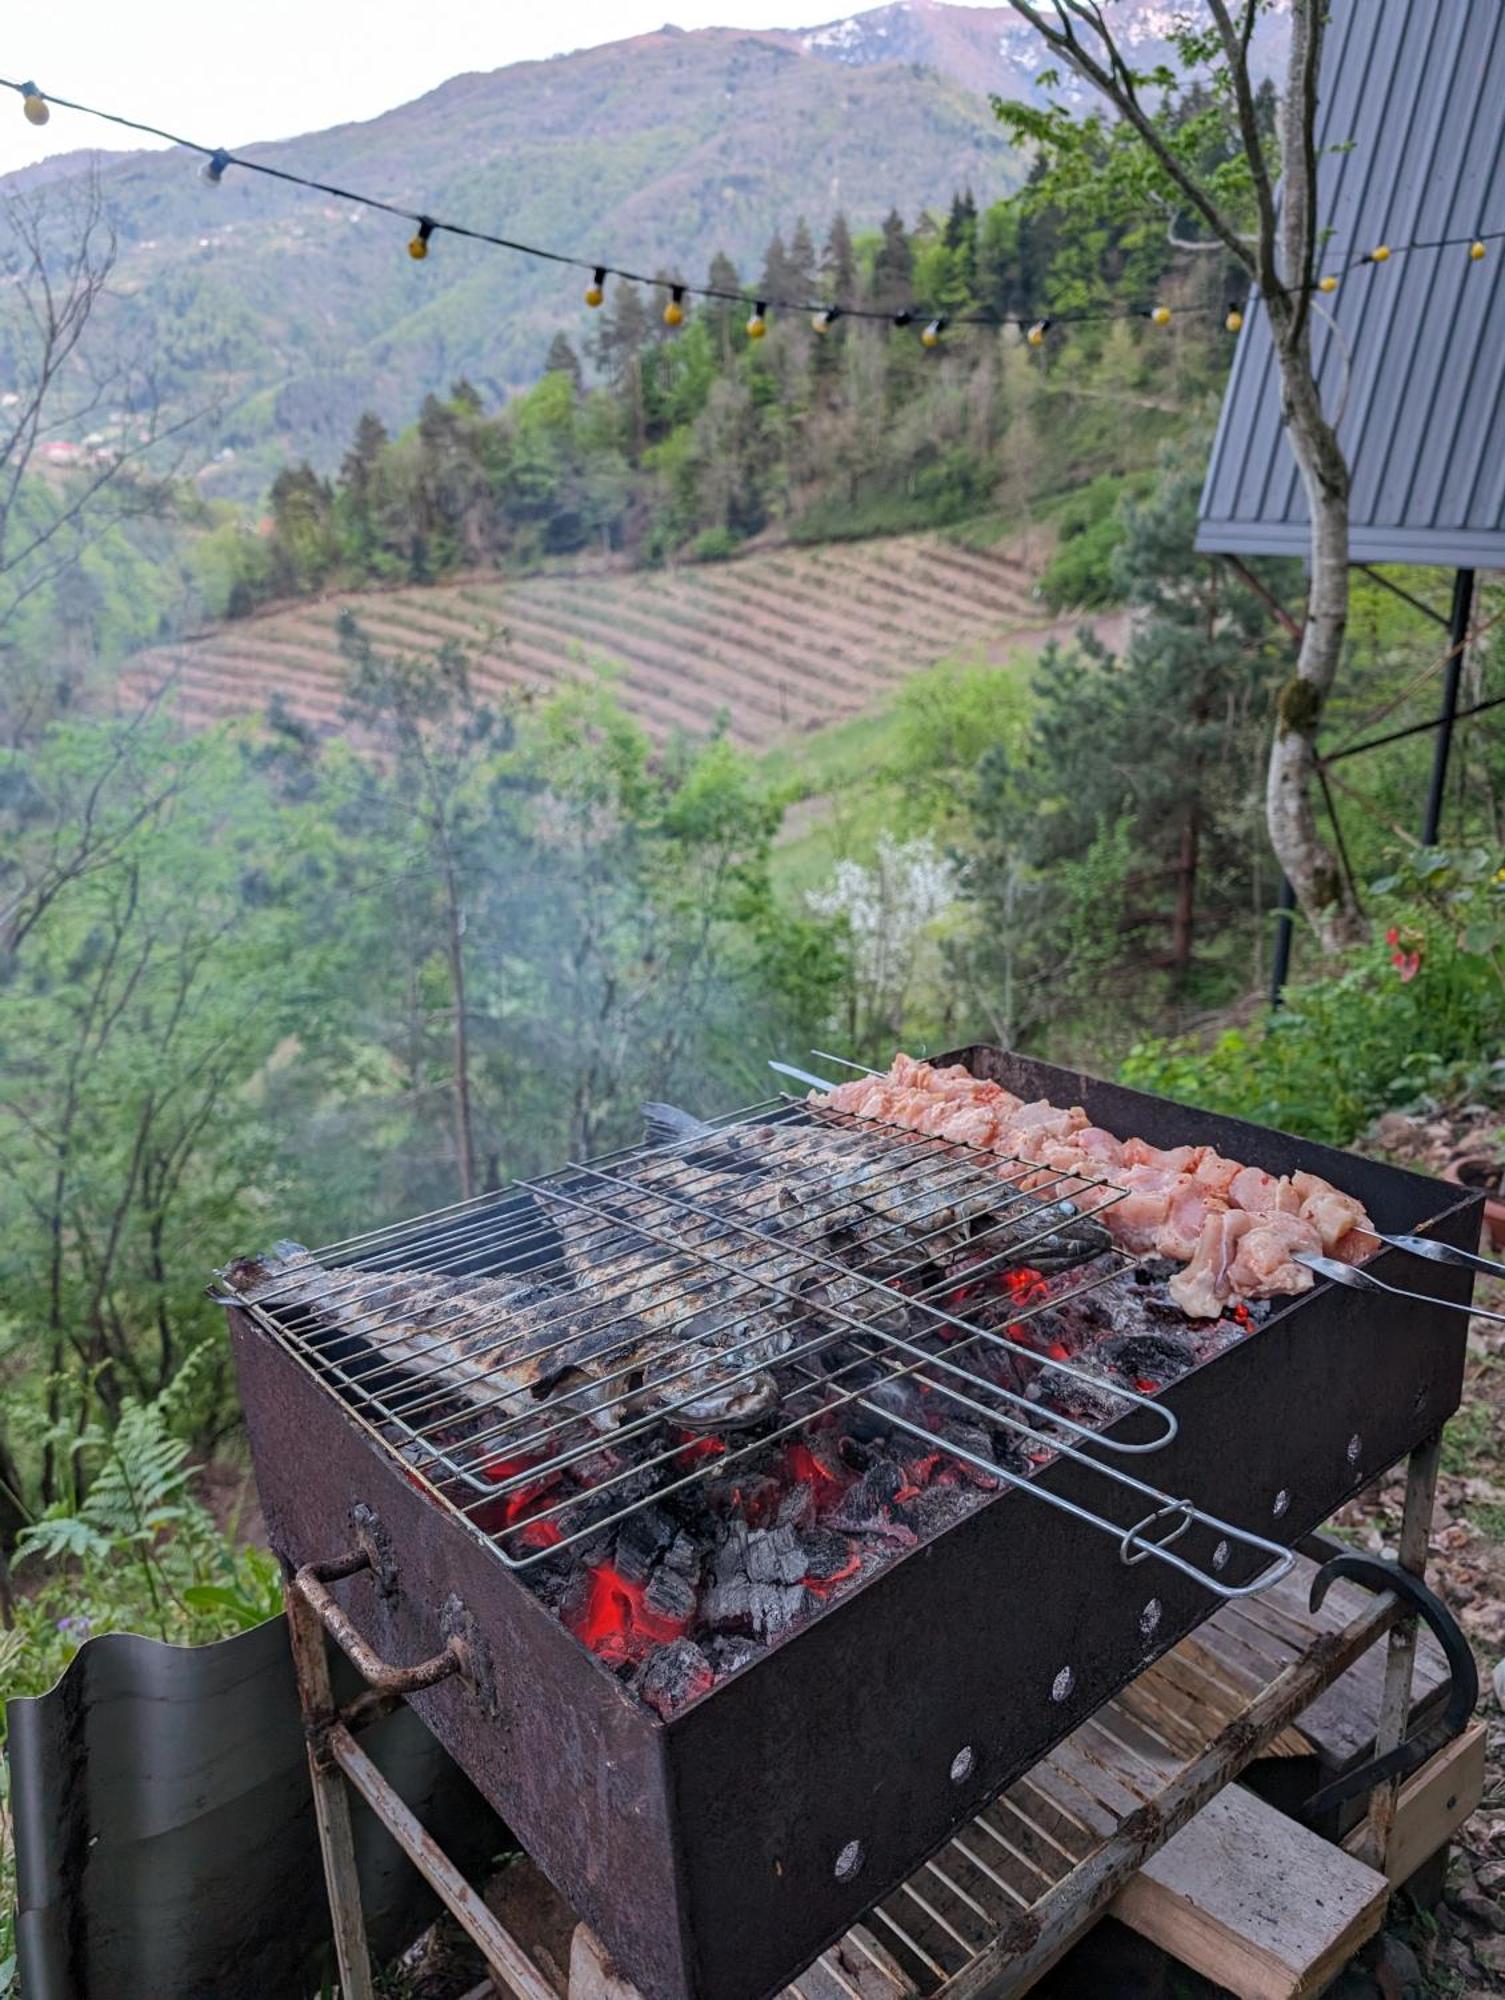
337 1764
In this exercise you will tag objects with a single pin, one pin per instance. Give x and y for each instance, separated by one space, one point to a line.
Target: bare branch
1110 81
1236 51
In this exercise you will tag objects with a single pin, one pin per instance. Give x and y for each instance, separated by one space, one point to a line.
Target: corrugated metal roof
1413 90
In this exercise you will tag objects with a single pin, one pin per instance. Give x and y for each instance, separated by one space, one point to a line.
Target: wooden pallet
1096 1826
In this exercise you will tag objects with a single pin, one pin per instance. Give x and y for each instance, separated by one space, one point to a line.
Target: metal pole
1285 924
1400 1660
1463 604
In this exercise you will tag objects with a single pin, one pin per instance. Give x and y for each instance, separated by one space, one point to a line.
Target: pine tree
724 316
961 240
562 359
777 281
801 262
359 465
623 327
893 267
838 264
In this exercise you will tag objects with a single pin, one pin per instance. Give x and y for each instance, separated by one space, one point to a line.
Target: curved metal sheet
164 1830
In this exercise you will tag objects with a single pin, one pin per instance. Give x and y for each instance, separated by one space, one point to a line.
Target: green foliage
656 447
1136 783
1080 575
130 1548
1418 1010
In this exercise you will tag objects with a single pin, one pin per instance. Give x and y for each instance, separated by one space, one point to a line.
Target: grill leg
331 1799
1400 1658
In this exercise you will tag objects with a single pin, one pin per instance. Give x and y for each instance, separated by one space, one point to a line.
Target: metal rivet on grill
849 1861
1282 1501
1220 1556
963 1764
1062 1685
1355 1449
1149 1618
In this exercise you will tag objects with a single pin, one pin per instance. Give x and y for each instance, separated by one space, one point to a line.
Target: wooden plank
1341 1722
1433 1804
1253 1901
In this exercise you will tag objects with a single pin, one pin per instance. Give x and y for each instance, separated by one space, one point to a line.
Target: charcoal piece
1155 1270
1159 1355
729 1651
683 1555
759 1610
642 1539
675 1674
775 1556
671 1595
941 1506
593 1507
826 1553
797 1509
865 1502
972 1438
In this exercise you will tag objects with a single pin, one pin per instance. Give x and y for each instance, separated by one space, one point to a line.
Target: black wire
420 218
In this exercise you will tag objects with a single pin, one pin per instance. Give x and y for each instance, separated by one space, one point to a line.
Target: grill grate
789 1239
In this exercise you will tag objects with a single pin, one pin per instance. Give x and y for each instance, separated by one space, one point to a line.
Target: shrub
1421 1007
1079 576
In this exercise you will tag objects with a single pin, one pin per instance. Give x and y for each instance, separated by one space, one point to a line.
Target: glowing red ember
514 1510
617 1621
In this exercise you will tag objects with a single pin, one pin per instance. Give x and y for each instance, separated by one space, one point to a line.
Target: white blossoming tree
891 911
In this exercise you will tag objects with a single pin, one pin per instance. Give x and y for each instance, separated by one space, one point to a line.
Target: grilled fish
510 1345
857 1198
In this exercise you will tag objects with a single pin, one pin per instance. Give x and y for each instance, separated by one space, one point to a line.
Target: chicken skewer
1239 1232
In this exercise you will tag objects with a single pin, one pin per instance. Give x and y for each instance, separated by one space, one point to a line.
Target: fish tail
667 1125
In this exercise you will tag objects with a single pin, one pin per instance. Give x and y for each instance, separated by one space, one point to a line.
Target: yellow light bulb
1476 251
1036 334
418 248
34 104
1327 284
931 337
821 321
757 326
674 313
1161 315
1234 320
1380 254
595 291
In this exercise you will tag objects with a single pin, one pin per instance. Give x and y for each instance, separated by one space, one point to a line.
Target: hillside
778 642
281 315
289 313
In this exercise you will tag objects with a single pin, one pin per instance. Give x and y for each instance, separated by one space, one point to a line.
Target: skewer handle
802 1075
1445 1253
1360 1281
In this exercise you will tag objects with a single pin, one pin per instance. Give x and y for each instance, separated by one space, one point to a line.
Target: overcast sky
225 74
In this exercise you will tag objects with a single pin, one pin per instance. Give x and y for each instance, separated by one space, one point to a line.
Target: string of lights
37 106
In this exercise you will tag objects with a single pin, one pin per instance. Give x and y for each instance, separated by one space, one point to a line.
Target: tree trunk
1183 920
465 1147
1324 895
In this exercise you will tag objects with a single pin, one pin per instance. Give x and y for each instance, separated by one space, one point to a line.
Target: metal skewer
1360 1281
1439 1253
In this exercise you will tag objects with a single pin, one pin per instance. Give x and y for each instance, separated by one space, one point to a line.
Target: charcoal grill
720 1849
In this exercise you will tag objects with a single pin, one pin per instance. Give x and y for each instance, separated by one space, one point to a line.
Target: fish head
713 1394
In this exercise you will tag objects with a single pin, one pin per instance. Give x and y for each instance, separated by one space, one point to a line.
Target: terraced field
778 642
